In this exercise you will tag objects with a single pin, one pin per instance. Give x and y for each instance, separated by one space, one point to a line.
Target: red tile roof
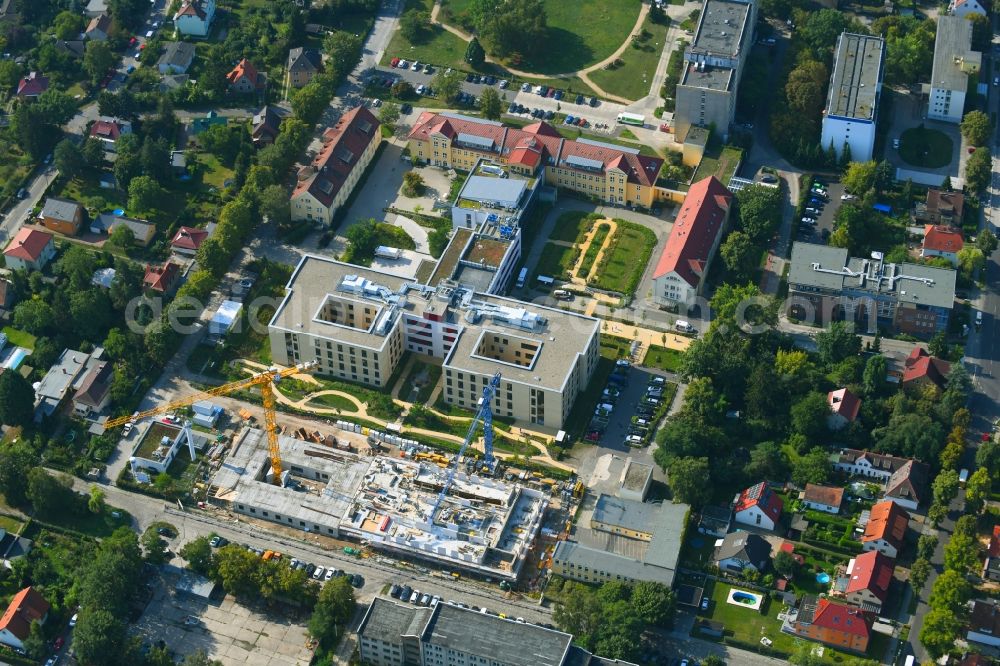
872 571
942 239
26 607
698 223
32 85
28 244
846 619
106 129
161 278
343 144
761 496
638 169
995 542
192 8
244 68
828 495
844 403
888 522
189 238
921 365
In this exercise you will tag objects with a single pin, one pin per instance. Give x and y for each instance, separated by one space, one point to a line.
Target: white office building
852 104
954 62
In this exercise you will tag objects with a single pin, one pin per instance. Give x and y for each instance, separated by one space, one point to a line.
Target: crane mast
484 414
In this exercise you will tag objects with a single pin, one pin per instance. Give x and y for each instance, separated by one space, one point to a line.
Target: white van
562 295
149 34
683 327
963 476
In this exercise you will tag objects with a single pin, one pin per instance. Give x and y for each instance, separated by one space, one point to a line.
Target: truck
386 252
631 119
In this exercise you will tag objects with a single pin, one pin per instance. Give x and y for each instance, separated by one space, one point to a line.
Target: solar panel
325 186
345 155
609 146
473 140
365 126
584 163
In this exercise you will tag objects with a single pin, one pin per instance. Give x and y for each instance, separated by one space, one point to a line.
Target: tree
121 236
767 460
490 104
814 467
68 159
740 255
961 553
951 591
334 609
363 237
810 414
785 564
34 316
580 613
68 25
388 115
198 554
512 26
654 603
95 503
926 545
939 631
145 194
413 184
988 457
402 89
970 260
945 486
859 177
17 400
98 59
50 494
153 545
977 490
920 570
235 569
759 210
838 342
874 376
200 658
16 460
976 128
713 660
34 644
448 84
978 169
986 241
415 26
342 49
687 478
475 55
274 205
99 637
309 101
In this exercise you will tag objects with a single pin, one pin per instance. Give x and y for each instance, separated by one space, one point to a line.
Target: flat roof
506 192
388 621
712 78
627 514
637 474
597 559
857 74
721 27
952 51
502 640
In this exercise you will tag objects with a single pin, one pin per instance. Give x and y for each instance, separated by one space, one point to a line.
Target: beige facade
703 107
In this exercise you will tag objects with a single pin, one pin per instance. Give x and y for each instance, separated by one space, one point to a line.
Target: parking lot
612 428
820 233
225 630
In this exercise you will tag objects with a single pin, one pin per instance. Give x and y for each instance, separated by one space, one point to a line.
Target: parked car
504 84
846 197
525 87
329 574
559 94
394 62
580 99
808 220
318 573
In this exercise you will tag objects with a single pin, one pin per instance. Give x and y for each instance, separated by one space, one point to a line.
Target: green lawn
441 48
622 266
747 625
596 243
571 226
632 78
333 402
663 358
719 161
556 261
924 147
19 338
586 31
215 173
613 347
420 383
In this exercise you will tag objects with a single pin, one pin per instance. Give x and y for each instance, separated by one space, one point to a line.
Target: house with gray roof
177 58
826 284
64 377
738 551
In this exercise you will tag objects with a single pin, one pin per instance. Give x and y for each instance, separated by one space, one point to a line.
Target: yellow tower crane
265 380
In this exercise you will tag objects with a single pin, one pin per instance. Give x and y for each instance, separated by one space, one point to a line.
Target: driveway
909 111
824 224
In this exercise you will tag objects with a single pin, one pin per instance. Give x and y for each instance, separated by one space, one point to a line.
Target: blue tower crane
484 414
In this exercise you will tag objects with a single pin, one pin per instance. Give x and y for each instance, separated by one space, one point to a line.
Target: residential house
984 623
944 242
867 580
108 130
176 59
303 65
13 547
976 659
940 207
908 485
886 529
96 8
65 375
348 148
904 480
161 280
831 623
199 125
26 607
244 78
964 8
99 28
94 394
30 250
103 277
265 126
700 224
844 408
823 498
194 18
62 216
74 48
715 520
991 566
32 85
170 82
738 551
757 506
8 11
142 232
187 240
920 368
178 162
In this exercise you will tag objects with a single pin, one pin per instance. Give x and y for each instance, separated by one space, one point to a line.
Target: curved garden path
580 73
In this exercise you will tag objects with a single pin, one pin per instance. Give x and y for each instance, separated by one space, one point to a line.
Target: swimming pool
118 212
823 578
15 358
745 599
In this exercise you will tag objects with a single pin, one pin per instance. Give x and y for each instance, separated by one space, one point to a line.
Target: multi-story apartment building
348 148
603 171
852 101
713 66
827 284
954 62
357 322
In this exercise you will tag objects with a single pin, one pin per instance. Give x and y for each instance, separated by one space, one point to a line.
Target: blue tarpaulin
883 208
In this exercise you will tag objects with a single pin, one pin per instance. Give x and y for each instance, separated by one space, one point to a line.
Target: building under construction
482 525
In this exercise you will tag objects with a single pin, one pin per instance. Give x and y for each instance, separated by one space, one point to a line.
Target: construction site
480 525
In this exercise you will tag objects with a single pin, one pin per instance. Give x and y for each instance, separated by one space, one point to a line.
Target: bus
631 119
521 277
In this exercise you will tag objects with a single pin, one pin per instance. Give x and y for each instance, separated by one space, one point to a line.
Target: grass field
19 338
924 147
663 358
622 266
333 402
631 80
719 161
596 243
441 48
748 625
571 226
555 261
420 383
